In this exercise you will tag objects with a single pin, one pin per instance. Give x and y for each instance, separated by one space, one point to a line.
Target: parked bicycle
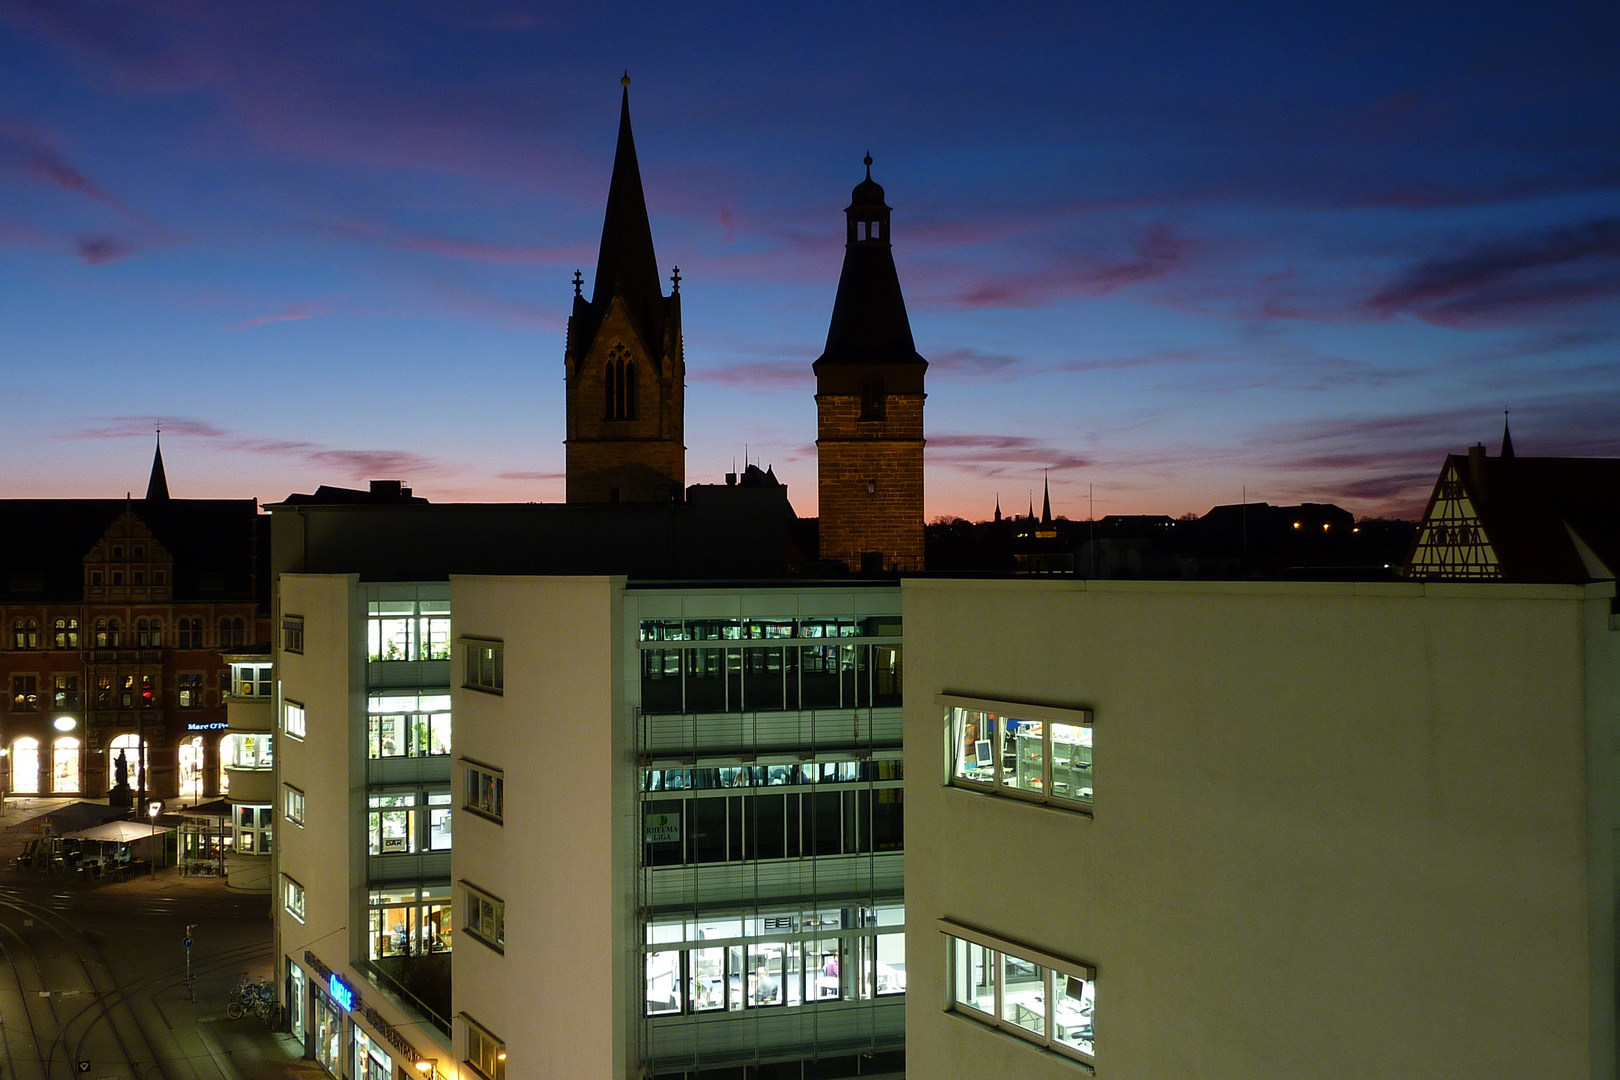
256 997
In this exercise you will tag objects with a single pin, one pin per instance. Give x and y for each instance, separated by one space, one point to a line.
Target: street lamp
428 1067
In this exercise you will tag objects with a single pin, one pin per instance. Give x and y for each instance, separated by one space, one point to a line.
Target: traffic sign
187 942
84 1066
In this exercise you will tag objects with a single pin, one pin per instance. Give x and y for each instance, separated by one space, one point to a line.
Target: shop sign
213 725
341 992
663 828
390 1035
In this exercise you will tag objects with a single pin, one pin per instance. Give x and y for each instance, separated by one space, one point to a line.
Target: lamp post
428 1067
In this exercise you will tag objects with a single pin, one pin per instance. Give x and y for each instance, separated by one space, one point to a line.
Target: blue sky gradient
1165 252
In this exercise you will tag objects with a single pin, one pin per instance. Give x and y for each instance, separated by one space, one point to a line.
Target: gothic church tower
869 405
625 365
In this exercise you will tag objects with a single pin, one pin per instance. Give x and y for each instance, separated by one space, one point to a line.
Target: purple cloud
353 464
756 375
531 476
296 313
1158 253
1508 280
98 250
998 455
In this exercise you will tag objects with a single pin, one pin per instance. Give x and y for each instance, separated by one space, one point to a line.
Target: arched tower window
620 383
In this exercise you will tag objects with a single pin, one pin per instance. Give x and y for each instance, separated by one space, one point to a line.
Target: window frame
288 706
470 926
1046 715
468 793
473 679
292 634
1000 949
498 1050
288 885
288 792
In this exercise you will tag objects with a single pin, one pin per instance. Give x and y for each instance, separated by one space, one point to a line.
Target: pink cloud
295 313
1158 253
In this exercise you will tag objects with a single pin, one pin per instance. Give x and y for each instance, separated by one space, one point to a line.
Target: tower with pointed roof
869 404
624 362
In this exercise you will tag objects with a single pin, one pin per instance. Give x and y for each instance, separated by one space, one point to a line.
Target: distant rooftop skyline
1164 253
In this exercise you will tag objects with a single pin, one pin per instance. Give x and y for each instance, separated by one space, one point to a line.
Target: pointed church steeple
998 507
626 266
1507 436
624 358
1046 500
157 487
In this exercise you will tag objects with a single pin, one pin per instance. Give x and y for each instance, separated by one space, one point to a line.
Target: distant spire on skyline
1507 436
1046 499
157 486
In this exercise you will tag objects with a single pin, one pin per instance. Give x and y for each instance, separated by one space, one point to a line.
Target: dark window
872 398
292 633
708 830
486 666
770 828
232 632
191 633
826 829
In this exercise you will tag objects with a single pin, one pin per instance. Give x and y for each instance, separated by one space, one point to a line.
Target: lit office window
253 830
240 751
392 825
292 897
439 821
409 920
783 958
292 805
408 630
408 725
1044 760
486 666
486 1055
293 720
1048 1001
486 791
485 917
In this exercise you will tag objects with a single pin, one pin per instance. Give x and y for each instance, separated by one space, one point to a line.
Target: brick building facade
114 614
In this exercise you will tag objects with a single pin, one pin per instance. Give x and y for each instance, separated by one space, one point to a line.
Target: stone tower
625 366
869 405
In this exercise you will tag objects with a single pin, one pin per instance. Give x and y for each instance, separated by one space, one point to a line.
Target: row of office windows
118 575
773 678
767 629
127 691
736 828
146 633
790 775
786 958
1046 1000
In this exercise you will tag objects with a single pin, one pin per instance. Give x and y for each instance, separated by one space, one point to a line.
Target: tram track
11 941
76 944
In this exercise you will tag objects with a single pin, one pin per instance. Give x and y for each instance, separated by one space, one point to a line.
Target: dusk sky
1166 251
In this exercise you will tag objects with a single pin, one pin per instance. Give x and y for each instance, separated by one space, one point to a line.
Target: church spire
157 487
1046 499
1507 436
998 507
626 266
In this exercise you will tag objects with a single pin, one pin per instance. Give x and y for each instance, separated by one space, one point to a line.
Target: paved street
95 981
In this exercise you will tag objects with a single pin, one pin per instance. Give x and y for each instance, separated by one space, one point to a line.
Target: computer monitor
981 752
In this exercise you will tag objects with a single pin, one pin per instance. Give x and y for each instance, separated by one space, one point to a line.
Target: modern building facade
116 615
1335 828
678 816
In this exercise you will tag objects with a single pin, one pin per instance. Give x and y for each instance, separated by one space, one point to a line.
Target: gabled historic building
1525 519
625 364
116 614
869 404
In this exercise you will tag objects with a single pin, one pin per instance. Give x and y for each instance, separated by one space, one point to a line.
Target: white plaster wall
328 680
560 860
1341 830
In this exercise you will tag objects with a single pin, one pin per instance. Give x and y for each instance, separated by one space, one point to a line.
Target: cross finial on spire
675 280
868 161
579 281
625 82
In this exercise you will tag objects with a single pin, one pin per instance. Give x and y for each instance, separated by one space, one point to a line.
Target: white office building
1335 829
